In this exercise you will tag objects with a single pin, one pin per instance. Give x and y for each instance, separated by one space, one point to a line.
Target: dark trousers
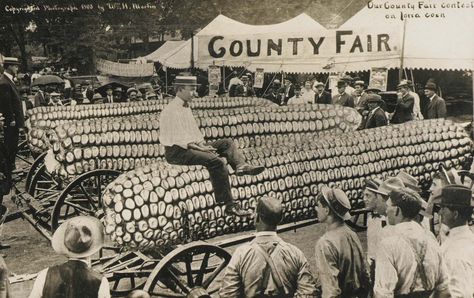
218 172
10 148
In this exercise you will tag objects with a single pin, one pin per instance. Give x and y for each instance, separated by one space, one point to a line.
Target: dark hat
10 61
118 89
341 83
360 83
130 90
409 181
372 89
347 78
109 87
270 210
454 195
403 84
375 98
186 81
431 86
337 201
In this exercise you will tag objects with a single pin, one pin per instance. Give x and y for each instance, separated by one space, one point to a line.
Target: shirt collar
265 233
85 261
431 98
459 231
8 75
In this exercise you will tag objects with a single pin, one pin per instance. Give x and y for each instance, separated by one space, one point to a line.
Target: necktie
186 104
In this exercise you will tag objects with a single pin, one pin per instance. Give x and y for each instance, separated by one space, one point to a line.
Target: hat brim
186 84
94 225
373 89
346 216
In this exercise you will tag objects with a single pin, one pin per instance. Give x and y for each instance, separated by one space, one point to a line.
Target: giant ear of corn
124 143
43 120
162 204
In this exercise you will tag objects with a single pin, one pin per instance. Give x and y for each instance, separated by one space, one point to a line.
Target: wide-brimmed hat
454 195
409 181
403 84
390 184
347 78
118 89
374 98
337 201
130 90
372 184
186 81
341 83
10 61
55 94
431 86
150 94
79 237
270 210
317 84
359 83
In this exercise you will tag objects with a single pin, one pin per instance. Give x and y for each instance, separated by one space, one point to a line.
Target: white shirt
37 291
307 95
396 262
297 100
178 126
416 106
374 234
458 253
8 76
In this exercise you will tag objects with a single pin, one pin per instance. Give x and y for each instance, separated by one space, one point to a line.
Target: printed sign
125 70
259 78
378 78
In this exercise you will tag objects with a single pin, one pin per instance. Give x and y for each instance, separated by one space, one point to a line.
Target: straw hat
78 237
337 201
186 81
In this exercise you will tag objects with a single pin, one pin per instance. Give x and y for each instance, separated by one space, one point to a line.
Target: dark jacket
323 98
344 100
240 91
289 94
376 118
71 280
10 102
404 109
40 99
436 108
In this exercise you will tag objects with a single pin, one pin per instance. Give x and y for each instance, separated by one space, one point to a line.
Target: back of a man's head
407 201
269 211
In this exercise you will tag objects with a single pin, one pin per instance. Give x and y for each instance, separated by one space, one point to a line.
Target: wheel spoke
79 208
200 275
88 196
188 260
178 282
213 275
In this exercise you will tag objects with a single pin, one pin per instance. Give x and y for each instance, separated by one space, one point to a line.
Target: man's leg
11 147
227 149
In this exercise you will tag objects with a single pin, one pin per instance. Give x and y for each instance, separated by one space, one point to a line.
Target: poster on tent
214 77
378 78
259 77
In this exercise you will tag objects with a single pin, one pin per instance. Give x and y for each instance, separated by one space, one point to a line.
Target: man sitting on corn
184 145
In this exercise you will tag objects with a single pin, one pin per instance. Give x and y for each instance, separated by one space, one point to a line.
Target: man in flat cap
245 89
12 111
340 263
321 96
343 98
404 107
409 260
376 116
268 266
185 145
456 203
437 106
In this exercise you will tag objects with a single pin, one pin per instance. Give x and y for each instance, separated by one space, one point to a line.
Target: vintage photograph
217 148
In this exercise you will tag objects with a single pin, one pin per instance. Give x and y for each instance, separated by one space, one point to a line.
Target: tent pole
166 80
192 50
400 71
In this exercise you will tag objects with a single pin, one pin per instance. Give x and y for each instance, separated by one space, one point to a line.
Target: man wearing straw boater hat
185 145
340 262
12 111
77 238
456 203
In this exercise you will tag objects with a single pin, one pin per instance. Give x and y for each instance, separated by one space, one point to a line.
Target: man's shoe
236 210
247 169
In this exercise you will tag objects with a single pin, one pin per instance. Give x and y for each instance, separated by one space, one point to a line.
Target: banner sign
214 77
125 70
378 78
259 78
365 42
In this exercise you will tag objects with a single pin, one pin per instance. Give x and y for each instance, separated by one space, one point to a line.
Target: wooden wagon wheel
43 187
39 161
83 196
190 268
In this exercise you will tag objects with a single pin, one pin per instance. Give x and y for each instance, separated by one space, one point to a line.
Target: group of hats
10 61
407 84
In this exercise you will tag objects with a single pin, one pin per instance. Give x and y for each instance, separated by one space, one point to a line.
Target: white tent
432 37
180 57
161 52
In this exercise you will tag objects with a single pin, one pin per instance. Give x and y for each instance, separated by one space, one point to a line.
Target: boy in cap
343 98
78 238
409 260
436 106
376 116
321 96
340 262
268 266
109 97
12 111
456 204
185 145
